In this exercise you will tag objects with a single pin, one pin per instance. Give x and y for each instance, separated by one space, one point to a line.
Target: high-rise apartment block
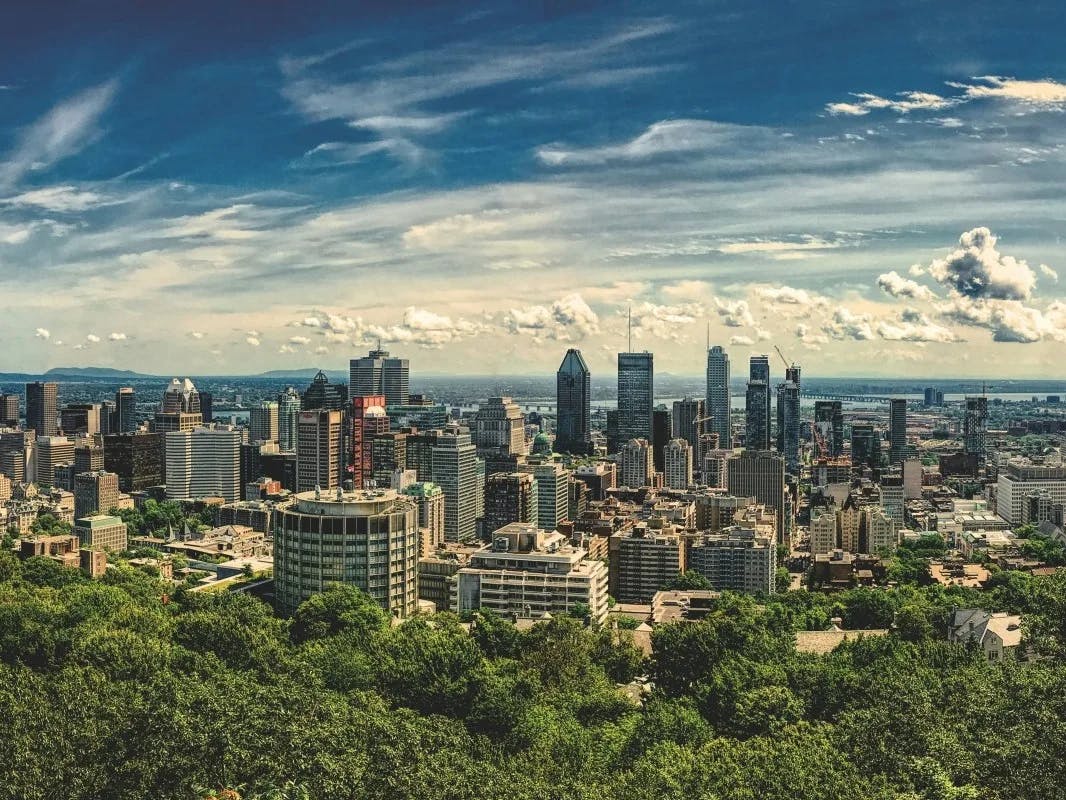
642 560
573 393
638 466
263 422
288 419
368 539
429 498
368 419
678 462
738 560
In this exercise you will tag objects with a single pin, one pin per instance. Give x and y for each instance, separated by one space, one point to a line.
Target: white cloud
286 349
903 103
780 250
252 340
1038 94
745 341
894 284
976 269
812 339
734 314
92 338
43 333
567 319
1009 320
58 198
1048 272
300 340
197 334
790 296
846 325
117 337
913 326
669 137
664 321
60 133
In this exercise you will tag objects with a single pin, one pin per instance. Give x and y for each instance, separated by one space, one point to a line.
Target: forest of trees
108 690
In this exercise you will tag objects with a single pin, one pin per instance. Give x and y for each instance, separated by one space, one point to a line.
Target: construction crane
788 364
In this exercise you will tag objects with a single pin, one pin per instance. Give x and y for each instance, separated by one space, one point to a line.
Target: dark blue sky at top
199 84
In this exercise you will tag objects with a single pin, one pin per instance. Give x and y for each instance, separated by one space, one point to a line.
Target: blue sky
875 188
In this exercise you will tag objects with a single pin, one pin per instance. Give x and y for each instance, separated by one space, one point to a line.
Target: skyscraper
94 492
760 475
137 459
455 471
9 410
684 421
759 372
42 411
661 433
80 418
865 445
263 422
500 428
975 426
636 386
552 481
288 419
829 428
509 497
573 393
321 394
207 407
718 398
378 374
180 409
757 416
204 462
788 424
125 410
319 449
897 430
368 418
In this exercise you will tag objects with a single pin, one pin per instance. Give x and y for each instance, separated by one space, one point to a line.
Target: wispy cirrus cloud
63 131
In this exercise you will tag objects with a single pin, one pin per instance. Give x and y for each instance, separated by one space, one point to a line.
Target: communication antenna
630 329
708 335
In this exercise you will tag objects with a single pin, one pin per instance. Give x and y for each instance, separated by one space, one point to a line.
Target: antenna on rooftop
630 329
708 335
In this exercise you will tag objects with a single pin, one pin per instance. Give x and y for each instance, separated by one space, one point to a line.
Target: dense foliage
106 691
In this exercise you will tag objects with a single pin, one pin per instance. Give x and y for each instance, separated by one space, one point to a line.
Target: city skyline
504 184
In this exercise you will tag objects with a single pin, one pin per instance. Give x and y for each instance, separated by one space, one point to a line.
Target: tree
868 608
342 608
687 581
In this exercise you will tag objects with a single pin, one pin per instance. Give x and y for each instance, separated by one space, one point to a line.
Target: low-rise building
738 559
998 634
526 572
102 533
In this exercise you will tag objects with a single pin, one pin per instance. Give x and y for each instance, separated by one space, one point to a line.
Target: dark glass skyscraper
975 426
322 394
718 396
126 410
757 416
788 423
829 428
42 410
897 430
573 388
636 386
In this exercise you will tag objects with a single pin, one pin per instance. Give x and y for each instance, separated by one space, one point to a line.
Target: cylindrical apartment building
368 538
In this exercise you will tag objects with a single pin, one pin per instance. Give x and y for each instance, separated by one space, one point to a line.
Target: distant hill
308 373
93 372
